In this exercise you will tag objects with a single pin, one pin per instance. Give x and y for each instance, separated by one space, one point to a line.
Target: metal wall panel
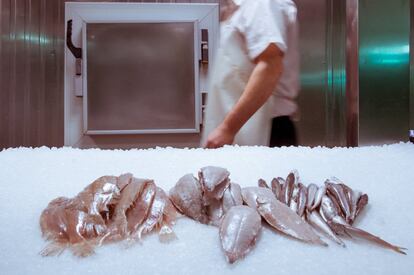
322 96
384 71
31 71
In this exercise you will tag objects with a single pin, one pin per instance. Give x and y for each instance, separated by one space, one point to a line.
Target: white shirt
245 35
263 22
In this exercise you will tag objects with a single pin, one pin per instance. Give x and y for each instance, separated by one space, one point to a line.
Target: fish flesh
239 230
214 181
279 215
187 197
232 197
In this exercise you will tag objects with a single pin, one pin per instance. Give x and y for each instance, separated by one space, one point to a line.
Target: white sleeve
263 22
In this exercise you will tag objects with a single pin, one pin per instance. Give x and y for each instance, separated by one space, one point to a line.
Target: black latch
204 46
77 52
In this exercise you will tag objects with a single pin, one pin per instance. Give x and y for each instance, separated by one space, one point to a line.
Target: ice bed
30 178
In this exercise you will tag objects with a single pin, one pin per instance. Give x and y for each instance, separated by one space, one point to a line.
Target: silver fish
316 220
288 187
338 192
187 197
362 202
312 189
276 187
318 197
238 231
339 226
281 195
279 215
302 199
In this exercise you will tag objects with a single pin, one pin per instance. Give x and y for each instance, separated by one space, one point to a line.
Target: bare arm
261 83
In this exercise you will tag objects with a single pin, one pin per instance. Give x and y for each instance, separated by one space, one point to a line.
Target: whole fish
187 197
238 231
276 187
279 215
318 197
362 202
312 189
341 197
288 187
302 199
316 220
339 226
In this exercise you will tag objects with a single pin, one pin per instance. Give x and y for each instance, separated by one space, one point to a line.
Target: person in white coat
255 76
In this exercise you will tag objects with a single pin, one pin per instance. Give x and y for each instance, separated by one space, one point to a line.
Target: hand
219 137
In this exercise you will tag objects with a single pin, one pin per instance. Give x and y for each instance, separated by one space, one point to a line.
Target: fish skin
288 188
154 217
340 226
338 192
214 181
362 202
239 230
187 197
317 221
318 197
312 189
262 183
302 200
232 197
279 215
276 187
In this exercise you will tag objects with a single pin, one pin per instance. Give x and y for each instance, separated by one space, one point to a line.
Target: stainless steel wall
384 71
31 71
322 96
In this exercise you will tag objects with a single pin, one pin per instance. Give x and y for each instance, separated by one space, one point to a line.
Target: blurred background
355 76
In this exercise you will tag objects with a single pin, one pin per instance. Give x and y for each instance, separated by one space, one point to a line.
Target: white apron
231 71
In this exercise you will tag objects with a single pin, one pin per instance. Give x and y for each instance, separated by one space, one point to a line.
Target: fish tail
370 237
83 249
166 234
53 249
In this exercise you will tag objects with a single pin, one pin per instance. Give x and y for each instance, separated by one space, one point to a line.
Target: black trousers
283 132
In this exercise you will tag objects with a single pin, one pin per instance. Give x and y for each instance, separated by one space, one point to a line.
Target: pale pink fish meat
214 181
187 197
238 231
155 215
215 211
279 215
78 221
139 212
232 197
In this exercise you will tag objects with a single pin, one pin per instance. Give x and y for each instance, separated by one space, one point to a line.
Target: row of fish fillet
126 208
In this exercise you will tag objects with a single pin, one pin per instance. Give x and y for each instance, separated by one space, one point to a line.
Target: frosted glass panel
141 76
